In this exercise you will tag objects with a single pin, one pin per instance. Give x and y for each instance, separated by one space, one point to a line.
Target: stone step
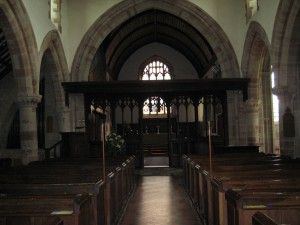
157 151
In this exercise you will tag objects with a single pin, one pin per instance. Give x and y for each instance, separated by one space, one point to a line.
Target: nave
160 198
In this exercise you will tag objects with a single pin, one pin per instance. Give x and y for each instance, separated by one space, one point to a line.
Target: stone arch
183 9
8 108
255 64
52 59
256 49
286 47
286 64
22 46
52 51
283 39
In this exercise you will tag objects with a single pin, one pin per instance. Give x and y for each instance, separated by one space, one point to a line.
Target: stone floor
160 199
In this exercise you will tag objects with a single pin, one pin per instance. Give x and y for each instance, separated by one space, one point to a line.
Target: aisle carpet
159 171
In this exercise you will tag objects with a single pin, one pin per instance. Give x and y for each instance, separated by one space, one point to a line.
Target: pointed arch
283 40
256 64
286 64
53 53
22 46
54 70
256 52
123 11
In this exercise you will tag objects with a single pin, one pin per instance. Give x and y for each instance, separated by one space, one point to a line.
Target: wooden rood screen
120 98
238 185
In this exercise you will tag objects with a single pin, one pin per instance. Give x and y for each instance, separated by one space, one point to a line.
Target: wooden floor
160 199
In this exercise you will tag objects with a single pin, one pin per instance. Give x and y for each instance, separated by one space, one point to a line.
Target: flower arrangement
115 144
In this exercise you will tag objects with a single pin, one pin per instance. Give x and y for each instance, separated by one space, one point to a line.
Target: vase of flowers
115 144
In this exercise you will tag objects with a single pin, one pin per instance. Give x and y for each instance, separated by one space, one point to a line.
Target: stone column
287 144
28 127
254 127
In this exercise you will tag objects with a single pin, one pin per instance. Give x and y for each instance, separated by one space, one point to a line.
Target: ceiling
157 26
5 60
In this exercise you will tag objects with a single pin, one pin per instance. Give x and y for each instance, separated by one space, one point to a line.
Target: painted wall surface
77 18
231 17
80 18
266 16
38 12
182 68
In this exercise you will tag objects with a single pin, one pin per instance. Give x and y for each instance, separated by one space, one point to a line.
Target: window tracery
155 68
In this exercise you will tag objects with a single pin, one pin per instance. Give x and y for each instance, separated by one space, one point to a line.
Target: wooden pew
75 176
261 219
219 188
216 191
95 190
222 159
194 179
236 149
34 210
55 221
283 206
209 200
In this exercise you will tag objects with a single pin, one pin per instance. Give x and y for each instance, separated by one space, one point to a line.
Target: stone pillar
28 127
287 144
254 127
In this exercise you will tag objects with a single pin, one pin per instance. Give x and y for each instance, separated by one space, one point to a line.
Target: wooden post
103 151
105 192
209 145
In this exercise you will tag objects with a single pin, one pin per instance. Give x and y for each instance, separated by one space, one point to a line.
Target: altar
156 144
156 139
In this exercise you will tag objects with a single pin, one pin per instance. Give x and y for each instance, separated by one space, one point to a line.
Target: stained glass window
155 69
154 105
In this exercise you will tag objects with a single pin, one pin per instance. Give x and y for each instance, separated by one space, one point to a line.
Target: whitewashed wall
78 16
183 69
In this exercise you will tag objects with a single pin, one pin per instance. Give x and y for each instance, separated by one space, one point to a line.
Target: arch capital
30 100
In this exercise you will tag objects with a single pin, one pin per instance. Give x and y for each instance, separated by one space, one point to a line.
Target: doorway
155 149
155 142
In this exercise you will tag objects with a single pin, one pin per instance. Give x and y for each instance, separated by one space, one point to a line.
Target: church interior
155 112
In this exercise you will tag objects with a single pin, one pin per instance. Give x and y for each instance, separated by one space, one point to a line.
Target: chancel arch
211 35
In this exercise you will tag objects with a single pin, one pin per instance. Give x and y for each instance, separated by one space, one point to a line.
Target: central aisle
160 200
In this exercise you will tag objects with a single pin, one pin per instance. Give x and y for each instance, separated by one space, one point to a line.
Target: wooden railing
55 148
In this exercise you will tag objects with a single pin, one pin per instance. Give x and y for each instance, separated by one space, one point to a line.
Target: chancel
149 112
